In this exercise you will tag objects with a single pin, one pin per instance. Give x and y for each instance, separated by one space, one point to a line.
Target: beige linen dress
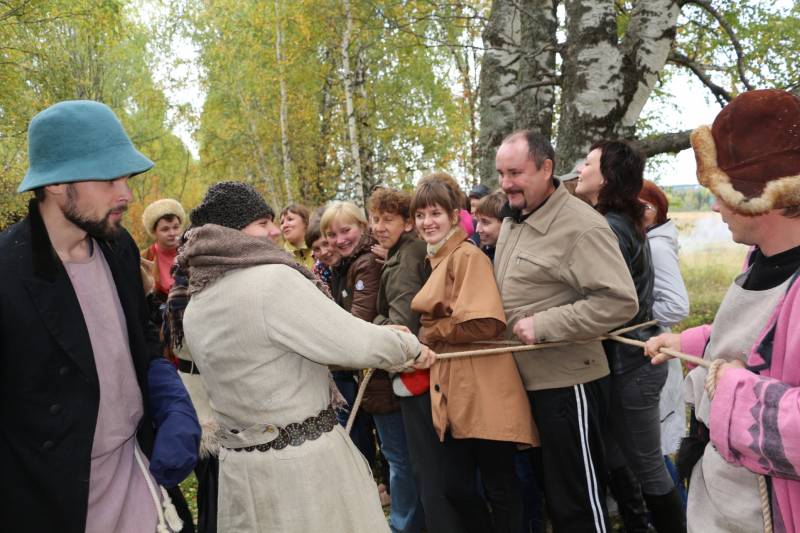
262 337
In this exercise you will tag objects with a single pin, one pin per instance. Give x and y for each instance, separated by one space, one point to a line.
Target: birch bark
258 149
607 82
284 107
347 81
498 81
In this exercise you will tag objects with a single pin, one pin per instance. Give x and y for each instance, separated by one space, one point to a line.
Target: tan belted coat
473 397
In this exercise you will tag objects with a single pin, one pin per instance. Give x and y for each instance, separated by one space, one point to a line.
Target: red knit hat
653 195
750 156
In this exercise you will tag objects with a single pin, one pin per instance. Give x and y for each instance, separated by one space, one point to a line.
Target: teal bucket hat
79 140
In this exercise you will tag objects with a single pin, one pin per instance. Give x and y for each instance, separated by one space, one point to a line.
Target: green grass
189 489
707 275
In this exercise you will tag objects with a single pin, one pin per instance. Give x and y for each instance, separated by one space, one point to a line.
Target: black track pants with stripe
571 461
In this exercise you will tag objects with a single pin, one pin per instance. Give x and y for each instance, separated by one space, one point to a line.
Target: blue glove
177 430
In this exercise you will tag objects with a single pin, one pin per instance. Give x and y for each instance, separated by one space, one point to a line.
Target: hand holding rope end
653 347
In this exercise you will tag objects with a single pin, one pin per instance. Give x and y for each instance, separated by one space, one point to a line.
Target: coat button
48 444
436 387
55 409
63 371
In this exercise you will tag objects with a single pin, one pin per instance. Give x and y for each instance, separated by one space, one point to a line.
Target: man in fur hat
746 407
85 398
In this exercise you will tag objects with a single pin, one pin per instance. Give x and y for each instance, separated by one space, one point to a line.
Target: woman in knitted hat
163 221
263 331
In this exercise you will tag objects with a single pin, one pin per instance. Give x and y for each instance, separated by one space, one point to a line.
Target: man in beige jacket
562 278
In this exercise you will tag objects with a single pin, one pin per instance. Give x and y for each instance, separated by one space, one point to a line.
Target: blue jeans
635 427
407 515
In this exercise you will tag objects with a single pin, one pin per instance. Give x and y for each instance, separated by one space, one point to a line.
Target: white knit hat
161 208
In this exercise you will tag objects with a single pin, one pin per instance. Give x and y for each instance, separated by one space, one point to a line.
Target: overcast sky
692 106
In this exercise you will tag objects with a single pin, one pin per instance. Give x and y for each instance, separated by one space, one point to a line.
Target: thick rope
516 347
763 492
614 336
168 519
357 403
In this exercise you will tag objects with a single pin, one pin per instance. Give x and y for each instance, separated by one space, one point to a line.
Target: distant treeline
689 198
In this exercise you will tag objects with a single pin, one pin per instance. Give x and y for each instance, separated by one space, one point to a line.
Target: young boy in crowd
325 255
489 215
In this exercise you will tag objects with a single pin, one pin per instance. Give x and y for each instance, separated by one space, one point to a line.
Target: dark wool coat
49 391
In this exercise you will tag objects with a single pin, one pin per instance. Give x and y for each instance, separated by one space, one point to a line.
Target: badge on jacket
360 285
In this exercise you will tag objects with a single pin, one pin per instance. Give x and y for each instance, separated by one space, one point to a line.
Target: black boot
628 494
667 511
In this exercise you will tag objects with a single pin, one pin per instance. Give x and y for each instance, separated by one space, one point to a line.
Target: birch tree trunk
366 138
284 111
499 84
347 81
607 82
518 74
257 147
537 79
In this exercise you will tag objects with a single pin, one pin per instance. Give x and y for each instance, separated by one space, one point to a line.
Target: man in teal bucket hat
92 418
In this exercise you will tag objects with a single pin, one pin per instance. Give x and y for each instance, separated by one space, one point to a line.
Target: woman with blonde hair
354 286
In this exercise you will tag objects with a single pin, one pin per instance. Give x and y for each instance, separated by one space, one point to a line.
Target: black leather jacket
636 251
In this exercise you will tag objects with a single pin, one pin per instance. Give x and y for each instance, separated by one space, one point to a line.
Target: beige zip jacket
562 265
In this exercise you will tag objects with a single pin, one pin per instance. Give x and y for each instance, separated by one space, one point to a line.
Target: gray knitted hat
232 204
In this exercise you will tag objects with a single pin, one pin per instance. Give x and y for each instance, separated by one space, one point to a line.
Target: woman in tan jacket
479 406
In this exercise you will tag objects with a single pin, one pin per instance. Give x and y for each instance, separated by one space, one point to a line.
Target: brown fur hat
750 156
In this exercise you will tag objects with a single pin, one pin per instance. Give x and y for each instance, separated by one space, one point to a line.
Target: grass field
707 275
709 262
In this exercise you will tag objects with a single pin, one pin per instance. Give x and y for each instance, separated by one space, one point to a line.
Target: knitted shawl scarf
208 252
211 251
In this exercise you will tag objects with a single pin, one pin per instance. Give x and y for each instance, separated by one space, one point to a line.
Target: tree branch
660 143
526 87
722 95
737 46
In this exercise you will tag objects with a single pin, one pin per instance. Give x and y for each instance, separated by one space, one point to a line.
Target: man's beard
524 200
102 229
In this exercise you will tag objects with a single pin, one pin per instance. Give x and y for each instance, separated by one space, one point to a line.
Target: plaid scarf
177 300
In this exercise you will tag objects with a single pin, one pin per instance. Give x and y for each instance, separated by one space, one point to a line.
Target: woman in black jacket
611 179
